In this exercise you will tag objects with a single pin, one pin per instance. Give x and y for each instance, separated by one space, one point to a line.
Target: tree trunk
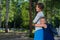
30 14
7 11
0 12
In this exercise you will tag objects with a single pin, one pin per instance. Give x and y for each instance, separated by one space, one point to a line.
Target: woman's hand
33 24
44 25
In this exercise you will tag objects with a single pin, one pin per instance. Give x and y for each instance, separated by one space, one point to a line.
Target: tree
7 17
0 11
30 14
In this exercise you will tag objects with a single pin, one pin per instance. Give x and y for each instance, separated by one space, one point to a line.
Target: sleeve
38 16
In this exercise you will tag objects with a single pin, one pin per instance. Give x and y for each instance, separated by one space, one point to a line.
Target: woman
38 35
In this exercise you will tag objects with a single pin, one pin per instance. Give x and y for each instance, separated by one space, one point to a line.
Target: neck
39 11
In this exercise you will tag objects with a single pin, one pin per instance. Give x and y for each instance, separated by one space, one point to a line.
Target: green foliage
19 12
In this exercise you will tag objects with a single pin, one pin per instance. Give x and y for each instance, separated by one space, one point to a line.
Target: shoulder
40 13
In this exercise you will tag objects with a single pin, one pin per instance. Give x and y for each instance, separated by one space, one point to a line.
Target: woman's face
42 21
37 8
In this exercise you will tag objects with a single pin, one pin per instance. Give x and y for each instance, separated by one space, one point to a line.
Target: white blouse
37 19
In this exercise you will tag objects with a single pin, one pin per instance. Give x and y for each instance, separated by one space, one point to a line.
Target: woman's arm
38 16
38 25
41 25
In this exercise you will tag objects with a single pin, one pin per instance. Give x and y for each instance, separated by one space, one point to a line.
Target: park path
14 36
17 36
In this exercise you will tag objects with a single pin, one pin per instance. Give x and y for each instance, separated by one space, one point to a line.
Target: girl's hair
40 5
43 18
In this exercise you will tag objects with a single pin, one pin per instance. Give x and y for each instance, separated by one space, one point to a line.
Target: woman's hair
40 5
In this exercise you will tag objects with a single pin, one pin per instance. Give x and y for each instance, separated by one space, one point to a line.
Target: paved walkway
17 36
14 36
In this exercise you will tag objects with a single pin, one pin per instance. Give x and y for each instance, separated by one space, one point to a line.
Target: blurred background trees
18 15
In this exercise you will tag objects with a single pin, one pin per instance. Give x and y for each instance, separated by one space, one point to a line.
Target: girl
38 35
48 35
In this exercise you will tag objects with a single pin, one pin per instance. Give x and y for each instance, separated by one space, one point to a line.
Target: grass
15 30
